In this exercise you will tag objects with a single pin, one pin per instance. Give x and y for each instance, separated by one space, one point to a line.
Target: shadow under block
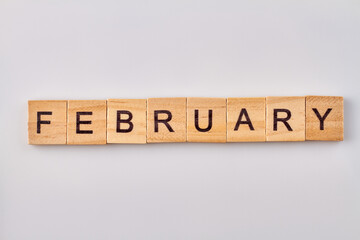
246 119
324 118
86 122
166 120
126 121
47 122
206 119
285 119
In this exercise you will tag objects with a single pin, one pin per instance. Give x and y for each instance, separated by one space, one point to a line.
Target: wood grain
332 127
133 132
296 107
89 134
53 129
251 126
162 107
214 132
193 119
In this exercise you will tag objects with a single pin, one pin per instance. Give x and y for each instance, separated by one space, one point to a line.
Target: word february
185 120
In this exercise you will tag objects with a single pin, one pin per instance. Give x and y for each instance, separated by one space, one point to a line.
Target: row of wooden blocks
185 120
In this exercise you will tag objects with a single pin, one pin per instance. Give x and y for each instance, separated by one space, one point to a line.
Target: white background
139 49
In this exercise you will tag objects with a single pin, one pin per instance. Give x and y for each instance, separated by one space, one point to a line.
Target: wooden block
86 122
285 119
206 119
126 121
246 119
324 118
166 120
47 122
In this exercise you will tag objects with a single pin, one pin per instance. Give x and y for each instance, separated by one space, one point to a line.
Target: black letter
164 121
128 121
197 121
39 122
78 122
322 119
248 122
276 119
